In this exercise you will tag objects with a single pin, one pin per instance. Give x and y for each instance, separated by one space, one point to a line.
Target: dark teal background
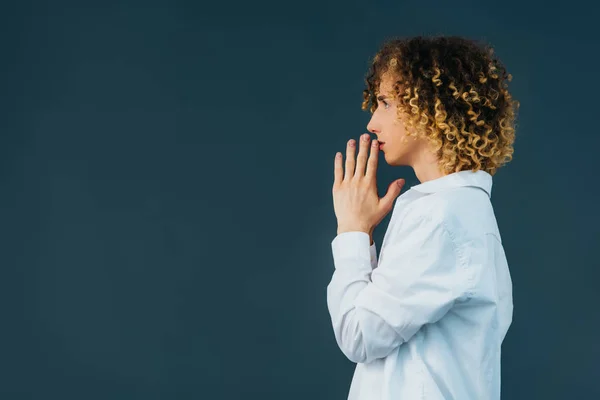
166 209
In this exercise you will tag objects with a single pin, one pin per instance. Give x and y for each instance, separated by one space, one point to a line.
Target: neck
426 166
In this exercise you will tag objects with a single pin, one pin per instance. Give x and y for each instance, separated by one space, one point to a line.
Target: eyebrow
381 97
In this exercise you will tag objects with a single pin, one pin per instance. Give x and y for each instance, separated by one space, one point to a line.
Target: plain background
166 212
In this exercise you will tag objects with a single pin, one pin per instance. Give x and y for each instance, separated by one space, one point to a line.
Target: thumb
394 190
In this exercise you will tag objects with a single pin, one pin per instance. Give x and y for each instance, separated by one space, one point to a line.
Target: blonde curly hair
453 91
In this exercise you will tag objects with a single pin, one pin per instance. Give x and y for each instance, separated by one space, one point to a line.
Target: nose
372 126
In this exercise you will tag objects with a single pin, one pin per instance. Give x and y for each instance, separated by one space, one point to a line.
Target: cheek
392 124
398 128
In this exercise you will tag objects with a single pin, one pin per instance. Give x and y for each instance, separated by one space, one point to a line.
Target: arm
373 311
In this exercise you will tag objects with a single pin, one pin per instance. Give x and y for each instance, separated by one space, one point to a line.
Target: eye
385 104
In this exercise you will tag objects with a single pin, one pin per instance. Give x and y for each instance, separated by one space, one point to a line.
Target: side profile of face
398 148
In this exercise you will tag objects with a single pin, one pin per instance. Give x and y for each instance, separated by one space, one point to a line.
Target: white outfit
426 320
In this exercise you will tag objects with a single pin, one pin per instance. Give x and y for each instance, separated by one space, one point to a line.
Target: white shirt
427 319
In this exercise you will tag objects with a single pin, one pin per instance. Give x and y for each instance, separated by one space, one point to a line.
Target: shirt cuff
373 253
350 248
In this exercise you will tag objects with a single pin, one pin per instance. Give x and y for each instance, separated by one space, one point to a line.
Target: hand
355 201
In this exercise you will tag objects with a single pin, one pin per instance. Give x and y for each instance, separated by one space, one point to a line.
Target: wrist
343 229
368 231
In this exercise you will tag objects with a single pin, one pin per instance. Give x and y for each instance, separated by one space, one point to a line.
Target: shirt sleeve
375 310
373 255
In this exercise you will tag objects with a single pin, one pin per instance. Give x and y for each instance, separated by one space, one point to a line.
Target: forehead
386 85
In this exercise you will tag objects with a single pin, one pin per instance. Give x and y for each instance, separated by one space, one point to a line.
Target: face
398 148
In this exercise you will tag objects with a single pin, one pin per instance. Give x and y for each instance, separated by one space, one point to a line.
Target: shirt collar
479 179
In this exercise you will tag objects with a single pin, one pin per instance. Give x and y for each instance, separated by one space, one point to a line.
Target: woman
427 319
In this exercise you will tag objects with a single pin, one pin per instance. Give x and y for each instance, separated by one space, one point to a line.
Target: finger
373 159
363 153
338 169
350 161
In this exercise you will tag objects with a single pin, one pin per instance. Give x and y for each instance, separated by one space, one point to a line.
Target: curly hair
453 91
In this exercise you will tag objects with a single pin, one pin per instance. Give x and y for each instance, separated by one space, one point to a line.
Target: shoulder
464 213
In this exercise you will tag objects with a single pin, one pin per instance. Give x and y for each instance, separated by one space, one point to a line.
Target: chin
396 161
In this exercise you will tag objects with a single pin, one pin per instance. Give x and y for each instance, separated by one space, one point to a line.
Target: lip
381 145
